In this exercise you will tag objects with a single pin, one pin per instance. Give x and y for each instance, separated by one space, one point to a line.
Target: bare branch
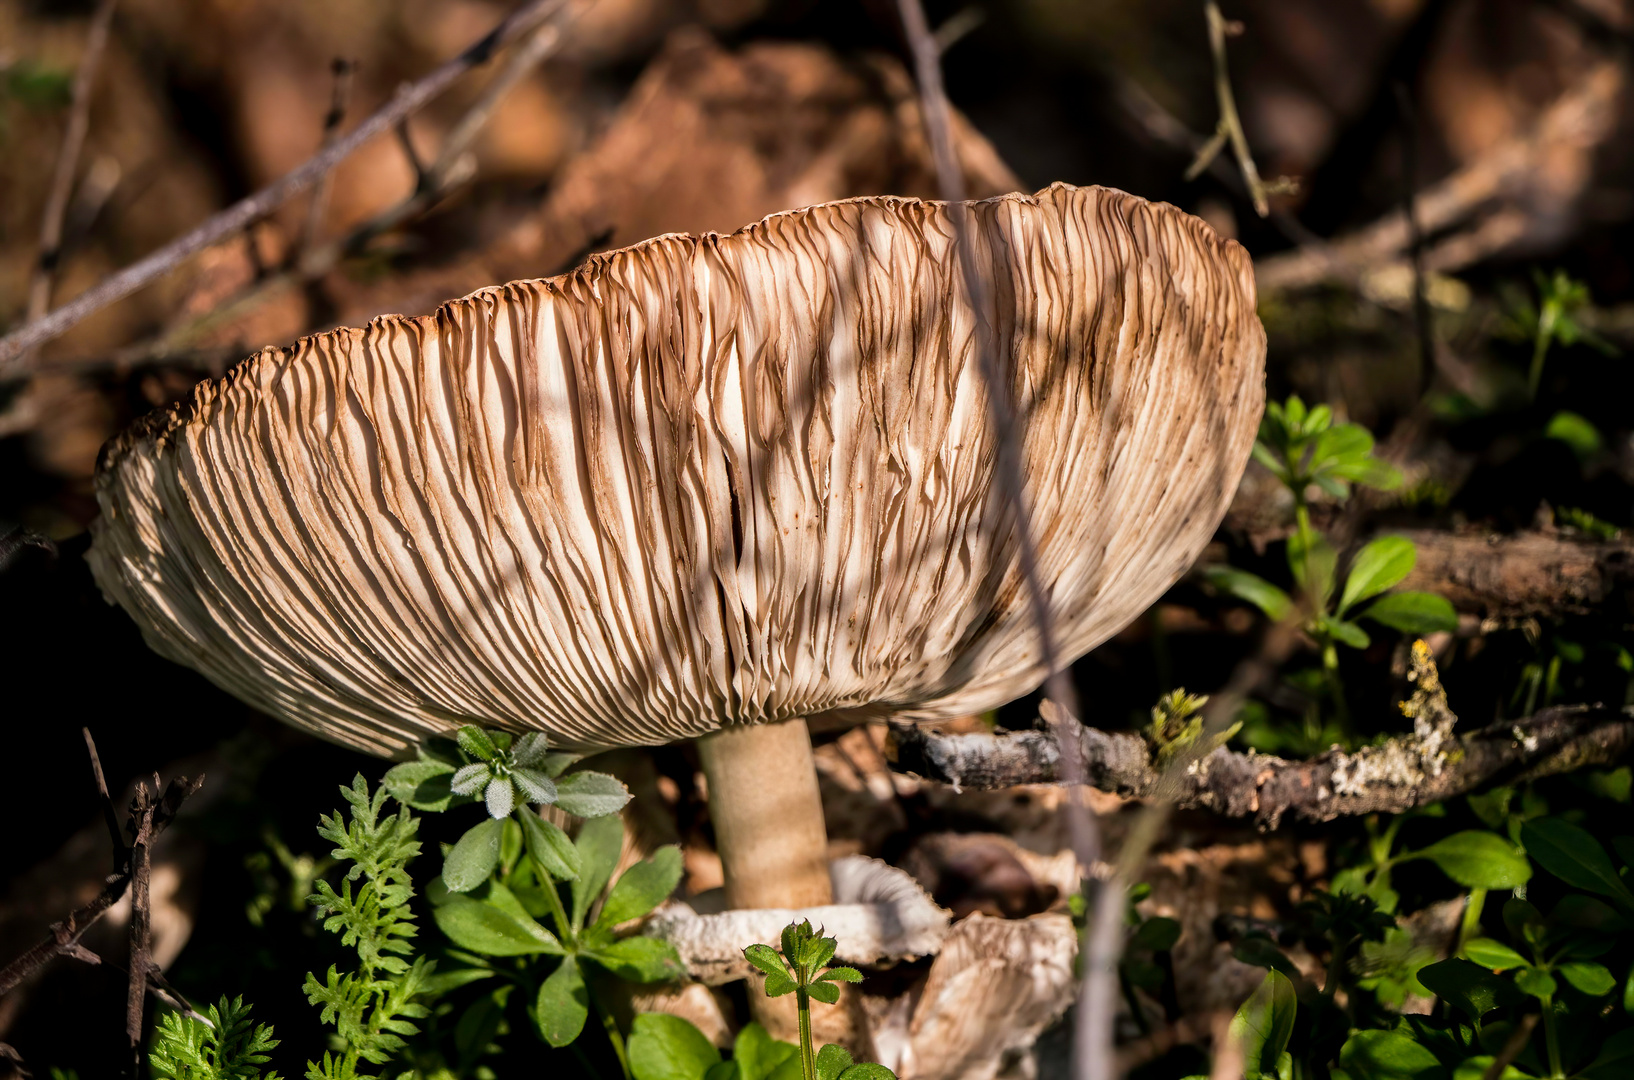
254 207
1555 740
1526 575
450 170
62 177
1230 130
109 815
1093 1043
342 70
63 938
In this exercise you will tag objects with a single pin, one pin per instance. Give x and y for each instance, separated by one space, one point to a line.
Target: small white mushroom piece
704 487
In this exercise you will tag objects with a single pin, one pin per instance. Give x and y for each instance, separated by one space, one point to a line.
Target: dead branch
62 177
1556 740
151 813
1092 1045
1529 574
1504 177
247 211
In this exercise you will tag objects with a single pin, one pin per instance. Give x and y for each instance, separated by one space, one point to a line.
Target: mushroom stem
768 816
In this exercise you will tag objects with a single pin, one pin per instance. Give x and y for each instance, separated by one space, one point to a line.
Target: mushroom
703 487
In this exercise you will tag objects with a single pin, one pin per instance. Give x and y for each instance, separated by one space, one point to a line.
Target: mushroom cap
701 481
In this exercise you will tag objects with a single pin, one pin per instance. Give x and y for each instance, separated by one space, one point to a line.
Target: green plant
224 1045
1553 317
1305 449
802 969
502 876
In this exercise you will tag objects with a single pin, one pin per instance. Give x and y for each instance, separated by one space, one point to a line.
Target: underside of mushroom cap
701 481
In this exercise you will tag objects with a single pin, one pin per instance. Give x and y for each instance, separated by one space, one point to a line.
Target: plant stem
1551 1039
1472 918
611 1027
808 1057
564 929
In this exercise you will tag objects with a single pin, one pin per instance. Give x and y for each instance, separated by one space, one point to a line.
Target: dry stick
446 173
63 937
110 816
1512 1048
1093 1039
1422 315
1230 129
141 923
341 93
251 209
1266 788
62 178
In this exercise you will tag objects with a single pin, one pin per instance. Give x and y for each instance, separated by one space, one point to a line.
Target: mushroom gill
700 482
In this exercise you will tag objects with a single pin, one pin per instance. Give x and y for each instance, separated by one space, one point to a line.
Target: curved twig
248 210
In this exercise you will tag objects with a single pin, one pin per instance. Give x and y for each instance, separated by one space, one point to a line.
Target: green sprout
1553 319
802 970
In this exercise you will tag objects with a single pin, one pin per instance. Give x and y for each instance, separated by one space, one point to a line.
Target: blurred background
1508 119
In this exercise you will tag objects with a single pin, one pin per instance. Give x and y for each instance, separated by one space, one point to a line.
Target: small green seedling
802 970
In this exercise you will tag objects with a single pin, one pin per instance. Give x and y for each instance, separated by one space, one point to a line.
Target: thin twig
1512 1047
1422 315
63 938
1093 1042
247 211
62 177
1230 129
446 173
340 93
1267 788
110 816
141 923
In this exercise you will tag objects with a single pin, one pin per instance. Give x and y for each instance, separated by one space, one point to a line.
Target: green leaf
1615 1061
556 763
832 1060
1476 1068
867 1070
591 794
842 974
1575 857
1264 1023
642 887
474 857
1381 565
1576 432
640 960
1468 986
478 743
1477 859
1595 980
1413 613
826 992
484 928
600 842
1346 633
421 784
723 1070
1537 982
563 1004
766 959
1493 955
1388 1055
758 1054
1157 934
1252 588
548 846
1341 444
778 985
664 1047
1313 560
1261 952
